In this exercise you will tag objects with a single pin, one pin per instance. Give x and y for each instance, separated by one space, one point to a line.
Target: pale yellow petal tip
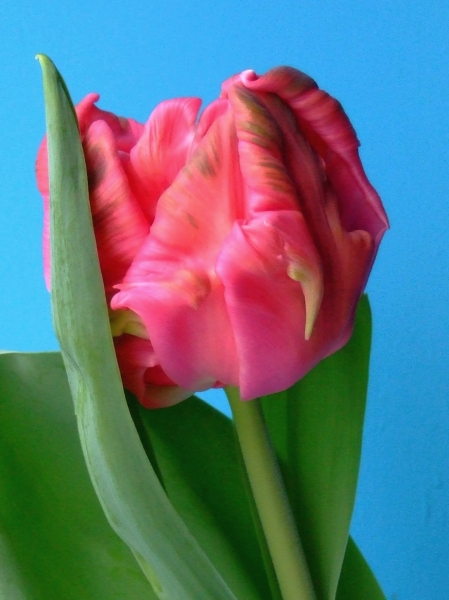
311 316
126 321
313 291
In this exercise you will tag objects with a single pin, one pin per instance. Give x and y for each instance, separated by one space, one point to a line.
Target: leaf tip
42 58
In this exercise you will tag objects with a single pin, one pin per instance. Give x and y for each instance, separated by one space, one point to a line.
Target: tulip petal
162 150
267 306
272 151
347 256
260 145
210 114
339 217
355 254
143 376
194 343
126 133
43 187
335 139
289 161
119 224
172 283
286 82
330 133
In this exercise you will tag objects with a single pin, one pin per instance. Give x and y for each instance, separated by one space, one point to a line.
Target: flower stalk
271 499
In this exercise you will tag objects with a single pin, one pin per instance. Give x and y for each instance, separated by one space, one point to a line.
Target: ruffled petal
261 146
307 178
291 82
290 162
272 278
336 141
163 149
209 115
126 133
43 187
347 250
196 212
272 151
343 211
143 376
347 247
329 131
119 224
352 265
191 335
172 283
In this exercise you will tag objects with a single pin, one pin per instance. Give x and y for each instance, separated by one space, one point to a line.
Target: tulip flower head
234 246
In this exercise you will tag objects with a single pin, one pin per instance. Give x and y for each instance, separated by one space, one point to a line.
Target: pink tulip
234 249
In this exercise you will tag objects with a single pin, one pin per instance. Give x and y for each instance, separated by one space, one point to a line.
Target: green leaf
192 448
129 491
316 428
55 542
357 581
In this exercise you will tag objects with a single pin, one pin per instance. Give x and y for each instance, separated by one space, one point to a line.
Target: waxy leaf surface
128 489
316 428
55 542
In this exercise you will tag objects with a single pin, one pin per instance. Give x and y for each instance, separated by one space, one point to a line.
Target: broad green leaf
129 491
192 448
54 540
55 543
357 581
316 428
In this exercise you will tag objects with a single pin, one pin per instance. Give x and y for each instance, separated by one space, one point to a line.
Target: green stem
271 499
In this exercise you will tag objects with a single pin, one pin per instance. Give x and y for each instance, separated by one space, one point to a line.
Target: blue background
387 63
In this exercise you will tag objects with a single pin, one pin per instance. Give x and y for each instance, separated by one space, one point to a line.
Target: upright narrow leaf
316 427
127 487
192 447
357 581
